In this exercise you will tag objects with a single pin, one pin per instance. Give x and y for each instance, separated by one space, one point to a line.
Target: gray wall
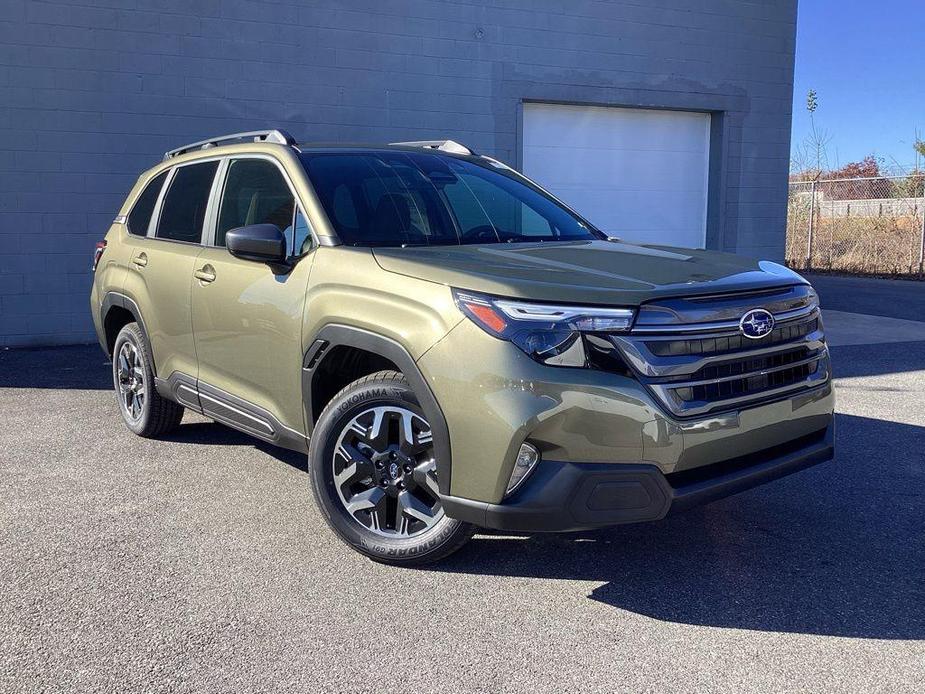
91 93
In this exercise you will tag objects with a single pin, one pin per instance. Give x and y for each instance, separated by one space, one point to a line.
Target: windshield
421 199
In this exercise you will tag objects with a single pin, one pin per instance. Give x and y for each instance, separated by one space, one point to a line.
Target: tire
374 483
143 410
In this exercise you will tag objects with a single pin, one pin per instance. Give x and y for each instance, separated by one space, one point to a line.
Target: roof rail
280 137
442 145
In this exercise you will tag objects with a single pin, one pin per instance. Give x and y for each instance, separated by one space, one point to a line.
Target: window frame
159 205
214 210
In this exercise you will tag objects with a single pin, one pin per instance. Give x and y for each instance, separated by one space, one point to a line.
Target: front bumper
562 496
496 398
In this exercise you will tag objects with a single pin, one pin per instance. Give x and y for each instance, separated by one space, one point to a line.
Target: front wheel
374 474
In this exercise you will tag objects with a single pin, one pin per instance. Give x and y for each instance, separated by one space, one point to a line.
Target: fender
121 300
336 335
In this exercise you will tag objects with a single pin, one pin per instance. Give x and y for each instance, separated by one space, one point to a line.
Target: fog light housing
527 458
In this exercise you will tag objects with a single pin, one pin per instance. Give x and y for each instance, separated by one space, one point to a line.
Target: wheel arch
117 310
333 336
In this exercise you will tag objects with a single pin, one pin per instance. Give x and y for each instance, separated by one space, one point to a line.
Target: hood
589 272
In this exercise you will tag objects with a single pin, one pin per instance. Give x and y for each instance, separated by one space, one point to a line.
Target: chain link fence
858 225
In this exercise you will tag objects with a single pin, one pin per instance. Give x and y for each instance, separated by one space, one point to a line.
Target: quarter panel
109 275
114 263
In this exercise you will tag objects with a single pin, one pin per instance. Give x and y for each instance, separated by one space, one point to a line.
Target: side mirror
264 243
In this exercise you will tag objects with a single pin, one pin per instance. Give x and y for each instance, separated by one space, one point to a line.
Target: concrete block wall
94 91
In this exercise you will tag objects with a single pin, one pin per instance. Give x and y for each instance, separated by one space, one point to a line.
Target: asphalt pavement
199 563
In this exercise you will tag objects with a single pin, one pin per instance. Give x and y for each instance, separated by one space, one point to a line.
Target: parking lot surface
199 563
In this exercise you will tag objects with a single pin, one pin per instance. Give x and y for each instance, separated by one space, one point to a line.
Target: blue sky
866 61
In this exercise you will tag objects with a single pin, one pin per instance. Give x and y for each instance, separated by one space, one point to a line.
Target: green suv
450 345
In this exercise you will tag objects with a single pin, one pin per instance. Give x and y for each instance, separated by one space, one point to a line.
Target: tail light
98 253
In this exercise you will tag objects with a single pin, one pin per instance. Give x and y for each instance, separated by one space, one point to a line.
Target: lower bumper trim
562 497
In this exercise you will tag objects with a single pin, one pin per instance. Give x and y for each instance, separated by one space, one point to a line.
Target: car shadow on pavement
78 367
215 434
836 550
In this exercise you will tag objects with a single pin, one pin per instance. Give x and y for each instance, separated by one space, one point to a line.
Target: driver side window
256 193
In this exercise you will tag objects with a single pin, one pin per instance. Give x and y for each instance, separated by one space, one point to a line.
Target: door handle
141 259
205 274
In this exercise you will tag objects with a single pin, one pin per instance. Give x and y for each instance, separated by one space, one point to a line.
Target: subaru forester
451 345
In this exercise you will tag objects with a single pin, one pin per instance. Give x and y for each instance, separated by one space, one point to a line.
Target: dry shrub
871 243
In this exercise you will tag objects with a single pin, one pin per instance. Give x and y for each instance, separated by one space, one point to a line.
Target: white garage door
639 174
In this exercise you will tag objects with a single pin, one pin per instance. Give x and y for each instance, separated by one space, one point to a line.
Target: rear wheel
374 474
143 410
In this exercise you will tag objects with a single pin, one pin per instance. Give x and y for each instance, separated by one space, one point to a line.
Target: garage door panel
638 211
659 170
636 173
592 127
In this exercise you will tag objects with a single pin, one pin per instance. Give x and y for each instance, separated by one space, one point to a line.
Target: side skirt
229 410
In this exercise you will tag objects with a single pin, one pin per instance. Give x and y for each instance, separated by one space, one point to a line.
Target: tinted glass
140 216
405 198
184 207
479 203
301 240
255 193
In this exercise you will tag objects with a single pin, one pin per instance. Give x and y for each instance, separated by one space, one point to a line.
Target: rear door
161 270
247 316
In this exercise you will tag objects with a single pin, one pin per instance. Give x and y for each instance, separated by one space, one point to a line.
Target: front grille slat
733 343
740 366
734 371
724 389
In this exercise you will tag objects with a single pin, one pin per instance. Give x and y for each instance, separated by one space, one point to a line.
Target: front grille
701 368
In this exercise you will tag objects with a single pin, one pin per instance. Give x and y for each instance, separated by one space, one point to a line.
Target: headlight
549 333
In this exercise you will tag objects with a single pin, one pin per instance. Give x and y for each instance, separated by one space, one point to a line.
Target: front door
247 316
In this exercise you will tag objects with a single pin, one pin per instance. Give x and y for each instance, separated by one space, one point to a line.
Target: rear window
184 208
410 198
140 216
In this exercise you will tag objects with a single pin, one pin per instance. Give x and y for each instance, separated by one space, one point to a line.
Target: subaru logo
756 323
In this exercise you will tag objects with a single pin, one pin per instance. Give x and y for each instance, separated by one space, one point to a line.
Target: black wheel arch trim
336 335
122 301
